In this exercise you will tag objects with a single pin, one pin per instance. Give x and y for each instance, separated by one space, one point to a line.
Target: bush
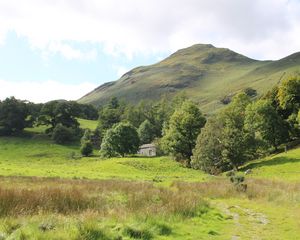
86 143
238 181
62 134
138 233
250 92
86 149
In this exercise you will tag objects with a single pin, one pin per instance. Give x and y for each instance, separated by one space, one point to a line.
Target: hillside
204 72
46 193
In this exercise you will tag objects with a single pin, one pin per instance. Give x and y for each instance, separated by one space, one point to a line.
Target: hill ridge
205 72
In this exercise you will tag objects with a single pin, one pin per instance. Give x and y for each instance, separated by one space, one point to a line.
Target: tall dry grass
122 199
27 196
265 190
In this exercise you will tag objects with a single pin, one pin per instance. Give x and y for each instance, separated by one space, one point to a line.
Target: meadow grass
282 167
37 208
39 156
47 191
40 208
84 124
90 124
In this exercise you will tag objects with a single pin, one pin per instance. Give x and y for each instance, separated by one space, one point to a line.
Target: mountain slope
204 72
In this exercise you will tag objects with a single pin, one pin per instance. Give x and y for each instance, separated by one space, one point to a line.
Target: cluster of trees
123 127
59 116
246 129
172 125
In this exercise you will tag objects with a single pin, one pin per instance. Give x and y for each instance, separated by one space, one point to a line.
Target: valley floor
48 192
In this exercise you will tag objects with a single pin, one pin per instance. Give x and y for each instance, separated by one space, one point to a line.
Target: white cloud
43 91
69 52
262 28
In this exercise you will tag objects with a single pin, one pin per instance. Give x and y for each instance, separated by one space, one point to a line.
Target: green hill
206 73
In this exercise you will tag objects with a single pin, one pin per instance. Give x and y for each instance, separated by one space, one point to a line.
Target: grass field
284 166
84 123
47 191
40 157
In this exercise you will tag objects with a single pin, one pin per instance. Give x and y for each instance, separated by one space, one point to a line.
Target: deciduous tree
181 133
120 140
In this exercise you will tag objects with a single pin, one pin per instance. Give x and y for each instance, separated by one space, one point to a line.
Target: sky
63 49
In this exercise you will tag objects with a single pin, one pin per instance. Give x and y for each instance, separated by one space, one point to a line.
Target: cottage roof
150 145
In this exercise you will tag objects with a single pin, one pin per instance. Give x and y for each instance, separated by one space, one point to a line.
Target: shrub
138 233
163 229
238 181
226 100
90 230
86 149
62 134
86 143
250 92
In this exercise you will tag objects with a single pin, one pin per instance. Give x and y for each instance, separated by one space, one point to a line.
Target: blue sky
22 63
52 49
35 65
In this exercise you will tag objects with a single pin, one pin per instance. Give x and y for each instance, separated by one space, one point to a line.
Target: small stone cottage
147 150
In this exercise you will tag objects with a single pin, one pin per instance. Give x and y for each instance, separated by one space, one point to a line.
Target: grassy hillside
48 192
204 72
280 167
84 123
40 157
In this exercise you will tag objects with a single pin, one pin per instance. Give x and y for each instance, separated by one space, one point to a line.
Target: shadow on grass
272 162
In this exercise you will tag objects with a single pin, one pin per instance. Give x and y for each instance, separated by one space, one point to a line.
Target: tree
289 100
110 114
224 143
207 154
289 93
120 140
59 112
86 144
13 116
181 133
88 111
62 134
146 132
238 144
134 114
263 119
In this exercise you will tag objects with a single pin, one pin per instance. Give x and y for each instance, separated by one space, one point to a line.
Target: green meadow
48 191
40 157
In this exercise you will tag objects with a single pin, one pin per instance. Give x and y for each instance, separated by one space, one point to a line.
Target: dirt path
248 224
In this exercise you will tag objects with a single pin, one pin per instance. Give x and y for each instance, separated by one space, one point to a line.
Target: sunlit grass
41 157
283 166
138 197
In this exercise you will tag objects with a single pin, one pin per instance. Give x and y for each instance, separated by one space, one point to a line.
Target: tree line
246 128
15 115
